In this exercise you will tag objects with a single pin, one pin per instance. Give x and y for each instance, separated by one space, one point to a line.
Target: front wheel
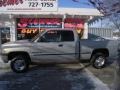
98 60
19 64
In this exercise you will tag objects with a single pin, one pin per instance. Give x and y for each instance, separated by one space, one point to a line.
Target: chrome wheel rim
100 61
19 65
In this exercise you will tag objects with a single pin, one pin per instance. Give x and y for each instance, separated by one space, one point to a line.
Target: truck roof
60 29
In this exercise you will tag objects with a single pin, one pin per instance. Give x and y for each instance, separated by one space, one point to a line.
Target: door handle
60 45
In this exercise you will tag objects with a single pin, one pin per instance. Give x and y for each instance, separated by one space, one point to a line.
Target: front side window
51 36
57 36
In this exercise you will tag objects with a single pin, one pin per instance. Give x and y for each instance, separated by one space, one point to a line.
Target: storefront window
28 28
75 23
5 34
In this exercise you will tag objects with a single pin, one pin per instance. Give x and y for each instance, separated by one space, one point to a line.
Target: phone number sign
28 5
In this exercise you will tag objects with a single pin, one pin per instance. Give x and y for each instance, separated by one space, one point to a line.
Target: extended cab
56 46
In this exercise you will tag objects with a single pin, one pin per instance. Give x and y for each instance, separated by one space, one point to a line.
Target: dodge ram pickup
56 46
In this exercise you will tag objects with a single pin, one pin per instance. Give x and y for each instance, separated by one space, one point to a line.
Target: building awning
62 11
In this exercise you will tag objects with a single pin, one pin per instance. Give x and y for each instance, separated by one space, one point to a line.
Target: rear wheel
98 60
19 64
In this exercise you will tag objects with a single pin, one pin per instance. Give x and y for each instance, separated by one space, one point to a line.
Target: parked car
56 46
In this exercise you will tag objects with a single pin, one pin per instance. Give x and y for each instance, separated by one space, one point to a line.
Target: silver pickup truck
56 46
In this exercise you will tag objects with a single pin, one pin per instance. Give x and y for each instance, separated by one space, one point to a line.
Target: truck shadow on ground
72 67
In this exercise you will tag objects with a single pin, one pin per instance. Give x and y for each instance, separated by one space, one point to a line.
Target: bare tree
110 9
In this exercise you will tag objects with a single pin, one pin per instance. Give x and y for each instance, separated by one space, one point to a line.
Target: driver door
52 47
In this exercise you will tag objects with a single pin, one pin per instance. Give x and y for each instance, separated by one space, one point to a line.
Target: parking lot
55 77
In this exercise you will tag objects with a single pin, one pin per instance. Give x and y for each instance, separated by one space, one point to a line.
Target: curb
99 85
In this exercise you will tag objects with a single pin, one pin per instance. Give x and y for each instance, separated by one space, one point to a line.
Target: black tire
98 60
16 63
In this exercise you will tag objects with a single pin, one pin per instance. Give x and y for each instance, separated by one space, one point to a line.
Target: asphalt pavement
51 77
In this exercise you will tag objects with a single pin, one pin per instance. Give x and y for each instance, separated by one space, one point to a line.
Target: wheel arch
101 50
11 55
